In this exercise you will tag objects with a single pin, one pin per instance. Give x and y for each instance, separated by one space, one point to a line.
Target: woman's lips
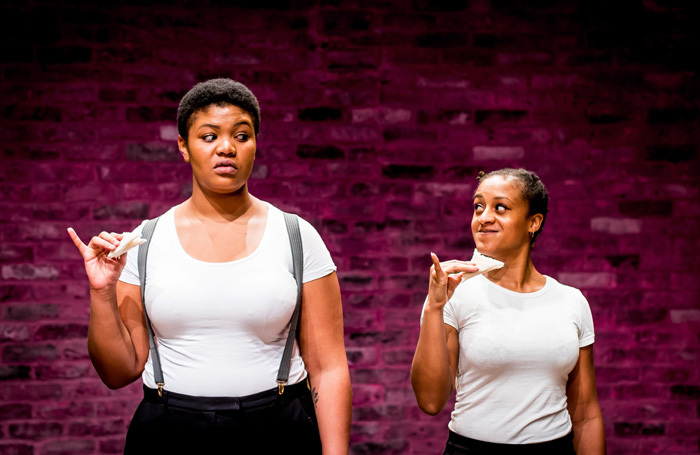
225 167
225 170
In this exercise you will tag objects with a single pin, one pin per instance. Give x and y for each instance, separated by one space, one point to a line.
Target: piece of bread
129 241
485 264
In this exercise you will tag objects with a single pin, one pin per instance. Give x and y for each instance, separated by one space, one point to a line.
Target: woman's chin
483 247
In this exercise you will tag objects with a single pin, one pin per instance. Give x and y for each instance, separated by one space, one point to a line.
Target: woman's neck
518 274
213 207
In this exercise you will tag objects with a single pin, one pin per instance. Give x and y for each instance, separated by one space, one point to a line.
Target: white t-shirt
221 327
516 351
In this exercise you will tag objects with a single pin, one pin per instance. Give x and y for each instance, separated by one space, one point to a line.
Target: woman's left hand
322 347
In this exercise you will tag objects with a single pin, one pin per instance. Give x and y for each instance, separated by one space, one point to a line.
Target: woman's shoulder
165 217
562 286
565 289
277 215
274 212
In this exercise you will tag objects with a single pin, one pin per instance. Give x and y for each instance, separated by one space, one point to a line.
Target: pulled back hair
531 189
216 92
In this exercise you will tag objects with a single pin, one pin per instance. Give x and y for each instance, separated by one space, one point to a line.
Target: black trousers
263 423
461 445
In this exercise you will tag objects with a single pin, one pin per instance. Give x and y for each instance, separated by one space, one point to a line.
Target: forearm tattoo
314 395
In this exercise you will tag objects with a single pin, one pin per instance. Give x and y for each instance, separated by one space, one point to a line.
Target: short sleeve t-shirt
221 327
516 351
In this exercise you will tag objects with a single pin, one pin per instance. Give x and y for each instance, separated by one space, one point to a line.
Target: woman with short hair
220 293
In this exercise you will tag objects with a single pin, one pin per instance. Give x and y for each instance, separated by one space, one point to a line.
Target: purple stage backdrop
376 118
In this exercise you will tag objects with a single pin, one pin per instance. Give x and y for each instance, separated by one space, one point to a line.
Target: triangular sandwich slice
485 264
129 241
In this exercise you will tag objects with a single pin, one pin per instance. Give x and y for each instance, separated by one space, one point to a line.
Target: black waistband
563 445
253 401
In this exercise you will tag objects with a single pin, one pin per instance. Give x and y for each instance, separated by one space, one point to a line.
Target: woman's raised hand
102 271
444 279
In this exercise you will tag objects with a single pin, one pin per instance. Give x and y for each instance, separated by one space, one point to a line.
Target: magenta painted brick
75 446
375 123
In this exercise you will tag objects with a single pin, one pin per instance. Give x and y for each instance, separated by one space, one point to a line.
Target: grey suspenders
292 222
147 233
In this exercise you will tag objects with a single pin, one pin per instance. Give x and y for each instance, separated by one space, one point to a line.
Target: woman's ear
182 145
536 222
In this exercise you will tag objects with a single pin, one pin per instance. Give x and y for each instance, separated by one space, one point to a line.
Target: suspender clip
160 389
280 387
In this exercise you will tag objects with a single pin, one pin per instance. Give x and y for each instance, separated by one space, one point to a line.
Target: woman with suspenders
218 286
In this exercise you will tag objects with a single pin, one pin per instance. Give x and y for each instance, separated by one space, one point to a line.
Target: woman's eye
501 208
208 137
242 137
478 207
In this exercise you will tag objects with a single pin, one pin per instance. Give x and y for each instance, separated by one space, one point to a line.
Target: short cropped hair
216 92
531 189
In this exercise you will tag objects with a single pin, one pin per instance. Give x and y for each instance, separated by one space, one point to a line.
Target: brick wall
376 117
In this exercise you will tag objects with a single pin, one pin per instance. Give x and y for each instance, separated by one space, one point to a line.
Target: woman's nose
486 216
227 147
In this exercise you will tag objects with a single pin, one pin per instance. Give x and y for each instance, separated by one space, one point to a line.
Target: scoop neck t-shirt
221 326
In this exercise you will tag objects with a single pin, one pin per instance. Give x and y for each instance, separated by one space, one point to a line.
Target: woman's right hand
444 279
102 271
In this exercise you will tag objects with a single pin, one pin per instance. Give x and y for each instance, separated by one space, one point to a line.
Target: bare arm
435 361
117 337
434 364
582 398
323 350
